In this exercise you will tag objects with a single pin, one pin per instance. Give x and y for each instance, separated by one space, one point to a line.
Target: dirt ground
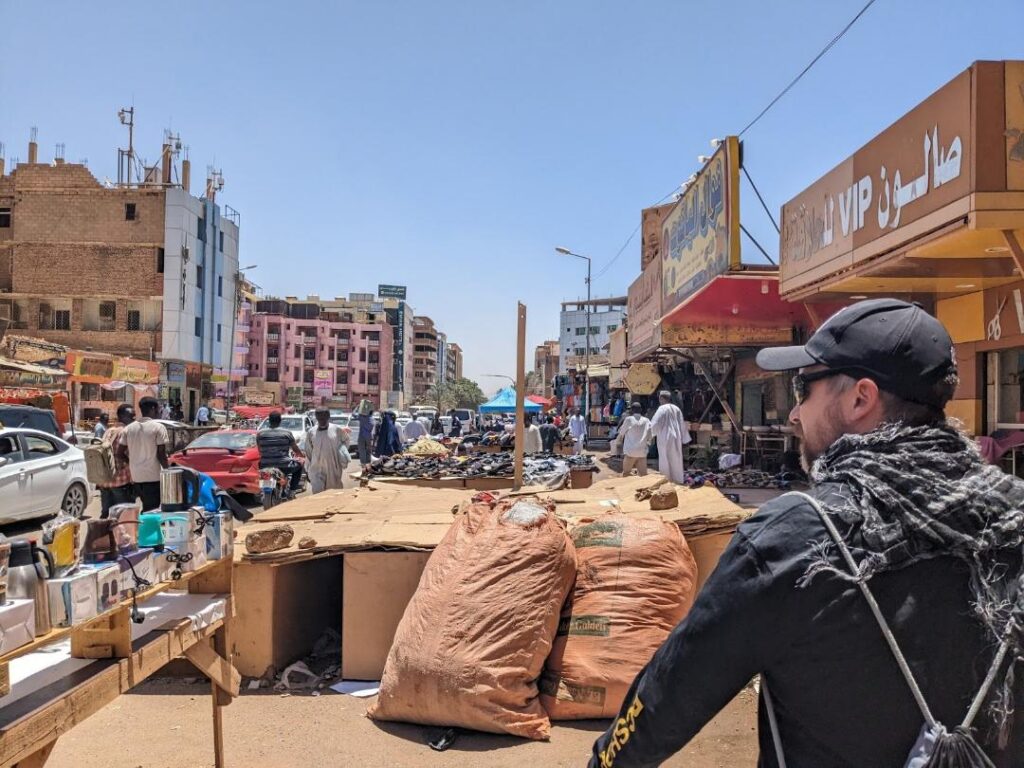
170 726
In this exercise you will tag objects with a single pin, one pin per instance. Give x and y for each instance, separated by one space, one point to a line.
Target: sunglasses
802 381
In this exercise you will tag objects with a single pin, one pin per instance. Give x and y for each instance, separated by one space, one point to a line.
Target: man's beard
809 454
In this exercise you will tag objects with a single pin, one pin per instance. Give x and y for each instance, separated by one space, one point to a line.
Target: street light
586 392
498 376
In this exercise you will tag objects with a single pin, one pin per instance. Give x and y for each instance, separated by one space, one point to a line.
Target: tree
461 393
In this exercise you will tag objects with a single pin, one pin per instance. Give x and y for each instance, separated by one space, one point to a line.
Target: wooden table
30 727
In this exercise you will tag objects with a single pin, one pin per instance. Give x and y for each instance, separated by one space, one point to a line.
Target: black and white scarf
915 493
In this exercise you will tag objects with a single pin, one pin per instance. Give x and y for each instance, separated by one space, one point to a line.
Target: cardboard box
197 548
376 588
179 527
142 564
161 567
220 536
72 598
17 624
706 551
108 585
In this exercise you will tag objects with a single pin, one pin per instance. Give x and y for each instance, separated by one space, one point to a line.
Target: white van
468 419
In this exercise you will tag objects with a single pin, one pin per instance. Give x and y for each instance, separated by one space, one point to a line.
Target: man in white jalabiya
326 453
669 427
578 431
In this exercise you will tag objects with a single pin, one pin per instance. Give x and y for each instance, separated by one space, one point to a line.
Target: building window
298 351
612 328
295 374
54 317
144 314
199 326
160 260
581 331
199 275
595 330
222 241
62 320
108 315
5 218
218 331
272 374
129 211
220 285
201 230
134 320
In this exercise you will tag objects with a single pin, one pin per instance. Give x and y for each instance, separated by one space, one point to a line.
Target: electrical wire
806 69
763 203
629 239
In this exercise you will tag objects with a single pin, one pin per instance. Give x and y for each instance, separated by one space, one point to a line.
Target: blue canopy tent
505 402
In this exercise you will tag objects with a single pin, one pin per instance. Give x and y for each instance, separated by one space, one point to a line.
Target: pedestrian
669 427
388 442
203 415
634 440
578 431
549 435
456 428
364 413
144 446
100 427
278 449
902 508
414 430
437 426
119 490
165 411
326 453
531 436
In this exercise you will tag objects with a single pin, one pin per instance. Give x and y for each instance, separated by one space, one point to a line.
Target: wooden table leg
38 758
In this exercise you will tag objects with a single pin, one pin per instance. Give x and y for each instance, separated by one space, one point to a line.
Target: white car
218 416
40 475
296 423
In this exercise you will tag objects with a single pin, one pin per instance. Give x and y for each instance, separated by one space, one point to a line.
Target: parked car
218 416
296 423
40 474
29 417
229 456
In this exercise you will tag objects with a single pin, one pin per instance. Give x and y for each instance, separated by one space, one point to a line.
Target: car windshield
293 423
235 441
341 421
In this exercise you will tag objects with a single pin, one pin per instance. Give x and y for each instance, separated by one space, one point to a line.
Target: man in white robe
326 453
578 431
670 430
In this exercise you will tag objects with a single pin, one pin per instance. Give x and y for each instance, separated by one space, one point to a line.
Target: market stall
100 383
24 383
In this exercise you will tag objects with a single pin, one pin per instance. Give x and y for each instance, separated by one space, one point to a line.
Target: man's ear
867 401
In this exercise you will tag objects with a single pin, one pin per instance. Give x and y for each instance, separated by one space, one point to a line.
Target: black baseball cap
898 345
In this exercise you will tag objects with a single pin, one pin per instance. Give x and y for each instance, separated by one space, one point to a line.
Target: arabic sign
252 396
644 312
136 371
13 377
293 396
724 334
391 291
643 378
29 350
175 373
700 235
913 168
650 232
323 382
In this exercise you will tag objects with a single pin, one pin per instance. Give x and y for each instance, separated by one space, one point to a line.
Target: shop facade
101 383
932 210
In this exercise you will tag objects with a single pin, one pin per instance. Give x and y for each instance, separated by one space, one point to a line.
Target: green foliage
461 393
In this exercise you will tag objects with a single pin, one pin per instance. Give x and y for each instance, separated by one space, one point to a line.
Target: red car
229 456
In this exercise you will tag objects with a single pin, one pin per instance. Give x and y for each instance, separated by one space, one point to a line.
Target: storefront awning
736 309
14 373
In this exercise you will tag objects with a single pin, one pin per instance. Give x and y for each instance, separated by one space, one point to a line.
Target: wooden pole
517 483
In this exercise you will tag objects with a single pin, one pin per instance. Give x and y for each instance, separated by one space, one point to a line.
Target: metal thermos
26 579
179 489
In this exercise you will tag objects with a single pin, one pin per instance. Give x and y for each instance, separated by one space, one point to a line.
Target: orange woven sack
473 639
635 580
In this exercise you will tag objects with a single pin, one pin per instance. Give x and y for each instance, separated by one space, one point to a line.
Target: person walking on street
549 435
634 440
578 431
165 411
531 436
203 415
119 490
456 429
101 425
669 427
364 412
144 447
414 430
388 440
326 453
885 602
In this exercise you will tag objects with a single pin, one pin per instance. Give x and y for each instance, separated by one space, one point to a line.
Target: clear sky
449 146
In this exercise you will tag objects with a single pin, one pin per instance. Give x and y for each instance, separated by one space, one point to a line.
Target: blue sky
449 146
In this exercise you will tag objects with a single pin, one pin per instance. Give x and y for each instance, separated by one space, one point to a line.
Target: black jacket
839 696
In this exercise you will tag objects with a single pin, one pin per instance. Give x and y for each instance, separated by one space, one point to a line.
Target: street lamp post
586 391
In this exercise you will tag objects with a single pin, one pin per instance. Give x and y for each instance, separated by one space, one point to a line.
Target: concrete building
454 362
142 269
424 356
320 352
606 316
545 363
442 358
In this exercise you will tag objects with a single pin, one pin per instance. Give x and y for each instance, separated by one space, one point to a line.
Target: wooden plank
111 639
215 580
157 651
215 667
5 679
38 758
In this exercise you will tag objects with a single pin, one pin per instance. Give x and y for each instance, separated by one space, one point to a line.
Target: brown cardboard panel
706 551
377 588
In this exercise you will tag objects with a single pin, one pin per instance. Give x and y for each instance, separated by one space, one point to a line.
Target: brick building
424 374
545 363
320 351
454 362
143 270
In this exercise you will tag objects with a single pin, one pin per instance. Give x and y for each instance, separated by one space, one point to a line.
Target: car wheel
75 500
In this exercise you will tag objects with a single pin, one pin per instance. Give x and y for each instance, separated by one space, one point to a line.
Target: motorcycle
274 487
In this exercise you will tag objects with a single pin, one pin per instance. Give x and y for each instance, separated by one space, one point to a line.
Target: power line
763 203
629 239
805 70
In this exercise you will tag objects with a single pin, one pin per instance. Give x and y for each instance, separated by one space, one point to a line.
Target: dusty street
170 725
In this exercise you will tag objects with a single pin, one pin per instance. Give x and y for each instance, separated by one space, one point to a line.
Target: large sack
473 639
635 581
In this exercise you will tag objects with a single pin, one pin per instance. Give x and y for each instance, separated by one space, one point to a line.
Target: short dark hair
149 405
322 409
123 409
104 417
897 410
274 419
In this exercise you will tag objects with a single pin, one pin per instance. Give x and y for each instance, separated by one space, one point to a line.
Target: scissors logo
995 329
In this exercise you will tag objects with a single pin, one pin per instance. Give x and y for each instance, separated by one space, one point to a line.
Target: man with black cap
886 602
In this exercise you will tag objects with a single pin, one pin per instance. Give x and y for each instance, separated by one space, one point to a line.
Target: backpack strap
908 675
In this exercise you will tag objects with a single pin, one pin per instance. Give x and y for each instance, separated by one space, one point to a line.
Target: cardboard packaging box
17 624
142 564
376 588
179 527
108 585
160 566
197 546
73 599
220 536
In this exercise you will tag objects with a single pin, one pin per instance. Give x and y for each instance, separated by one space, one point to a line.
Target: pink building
319 355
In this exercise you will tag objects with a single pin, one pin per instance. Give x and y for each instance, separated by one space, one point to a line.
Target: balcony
373 367
373 342
272 360
309 340
273 337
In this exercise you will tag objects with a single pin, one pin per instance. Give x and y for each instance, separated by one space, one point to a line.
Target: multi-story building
318 353
442 358
606 315
454 362
545 363
424 356
139 269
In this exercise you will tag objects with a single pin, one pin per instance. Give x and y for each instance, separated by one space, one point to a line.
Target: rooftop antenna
58 153
126 157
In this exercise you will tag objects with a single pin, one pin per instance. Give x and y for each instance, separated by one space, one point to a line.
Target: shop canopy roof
505 402
541 401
